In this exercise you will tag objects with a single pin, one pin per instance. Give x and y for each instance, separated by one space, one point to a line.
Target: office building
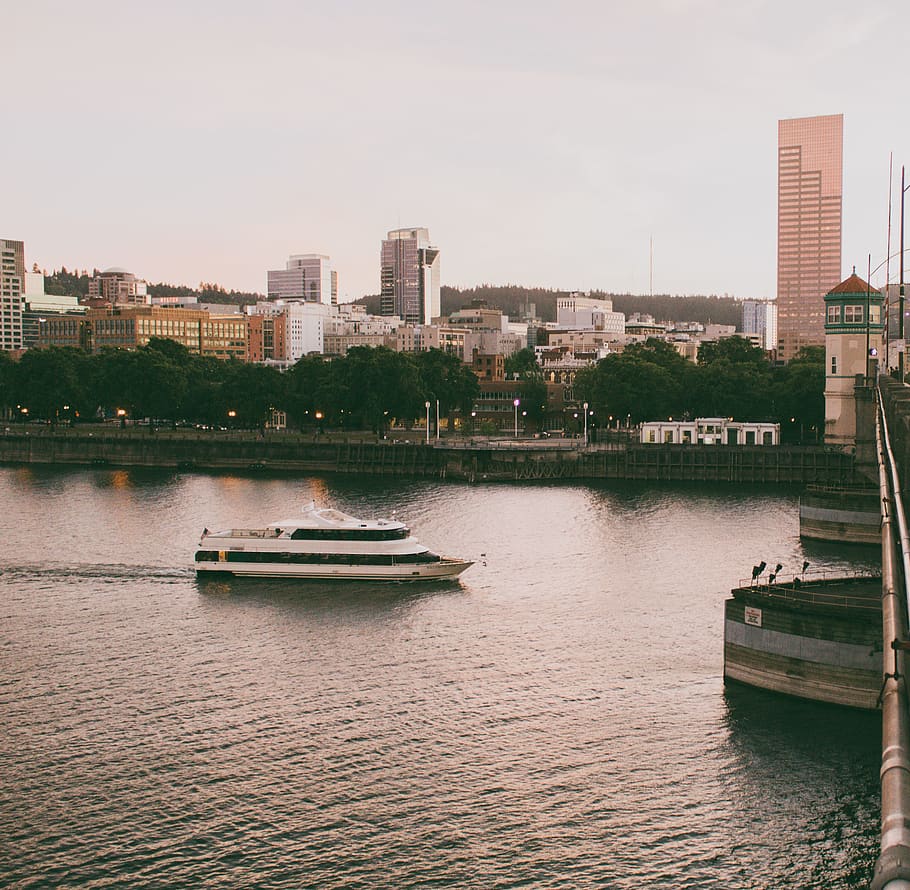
39 306
760 319
809 219
409 277
118 287
128 327
308 277
12 287
586 313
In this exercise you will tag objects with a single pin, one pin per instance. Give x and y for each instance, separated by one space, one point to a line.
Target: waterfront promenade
407 453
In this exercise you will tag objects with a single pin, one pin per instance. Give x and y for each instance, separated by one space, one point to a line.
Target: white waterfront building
710 431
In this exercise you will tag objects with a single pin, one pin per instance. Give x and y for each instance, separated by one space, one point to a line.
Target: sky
542 144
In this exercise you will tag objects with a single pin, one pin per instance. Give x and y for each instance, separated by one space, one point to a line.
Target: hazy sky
541 143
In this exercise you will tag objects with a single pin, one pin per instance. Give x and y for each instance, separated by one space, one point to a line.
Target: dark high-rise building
409 277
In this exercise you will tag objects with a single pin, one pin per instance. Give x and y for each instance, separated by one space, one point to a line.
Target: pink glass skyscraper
809 221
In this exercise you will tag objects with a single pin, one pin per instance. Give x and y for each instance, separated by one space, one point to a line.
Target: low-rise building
710 431
128 327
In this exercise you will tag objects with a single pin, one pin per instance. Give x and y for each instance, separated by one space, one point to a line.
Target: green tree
446 377
522 362
47 381
798 391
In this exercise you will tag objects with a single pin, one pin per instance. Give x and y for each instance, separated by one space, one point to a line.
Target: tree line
163 381
370 387
732 378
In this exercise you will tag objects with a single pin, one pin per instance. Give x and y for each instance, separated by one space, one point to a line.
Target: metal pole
888 271
868 303
900 300
428 422
586 424
437 420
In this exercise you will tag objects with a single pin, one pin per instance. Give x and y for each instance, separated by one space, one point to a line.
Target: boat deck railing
254 533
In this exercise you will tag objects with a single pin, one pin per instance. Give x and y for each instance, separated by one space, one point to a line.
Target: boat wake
94 572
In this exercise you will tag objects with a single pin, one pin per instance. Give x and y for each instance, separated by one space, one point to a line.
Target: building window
834 315
668 437
833 364
853 314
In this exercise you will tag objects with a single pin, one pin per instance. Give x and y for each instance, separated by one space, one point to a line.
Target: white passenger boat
325 543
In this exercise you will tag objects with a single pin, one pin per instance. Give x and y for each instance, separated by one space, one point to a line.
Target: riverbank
463 459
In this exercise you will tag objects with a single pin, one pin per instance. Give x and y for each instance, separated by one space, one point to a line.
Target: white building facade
760 317
709 431
579 312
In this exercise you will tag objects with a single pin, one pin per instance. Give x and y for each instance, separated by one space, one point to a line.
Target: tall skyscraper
12 288
409 277
308 277
809 216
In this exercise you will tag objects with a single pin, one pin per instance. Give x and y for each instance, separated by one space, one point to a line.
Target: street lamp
437 420
585 406
516 403
473 418
427 405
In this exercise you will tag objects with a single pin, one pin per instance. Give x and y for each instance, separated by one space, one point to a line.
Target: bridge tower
853 342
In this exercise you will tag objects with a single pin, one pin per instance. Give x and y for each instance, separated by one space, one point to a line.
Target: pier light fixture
585 406
516 403
427 406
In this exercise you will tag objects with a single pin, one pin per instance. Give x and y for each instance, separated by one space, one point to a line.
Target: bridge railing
892 870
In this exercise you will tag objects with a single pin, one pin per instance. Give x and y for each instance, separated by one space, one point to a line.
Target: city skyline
544 148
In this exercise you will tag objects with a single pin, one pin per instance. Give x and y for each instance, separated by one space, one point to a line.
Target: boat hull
444 570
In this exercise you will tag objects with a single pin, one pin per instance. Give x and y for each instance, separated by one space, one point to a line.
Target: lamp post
473 419
586 424
437 420
427 405
516 403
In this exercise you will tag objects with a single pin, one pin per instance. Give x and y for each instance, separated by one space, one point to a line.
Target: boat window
350 534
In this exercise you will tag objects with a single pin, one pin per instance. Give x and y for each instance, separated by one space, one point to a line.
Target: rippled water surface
556 719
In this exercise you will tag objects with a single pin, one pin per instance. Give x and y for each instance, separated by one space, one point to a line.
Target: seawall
471 460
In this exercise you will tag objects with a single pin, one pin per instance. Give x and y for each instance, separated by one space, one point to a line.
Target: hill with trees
62 282
514 300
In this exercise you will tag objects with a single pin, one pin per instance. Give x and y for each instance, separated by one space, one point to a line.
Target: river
558 718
